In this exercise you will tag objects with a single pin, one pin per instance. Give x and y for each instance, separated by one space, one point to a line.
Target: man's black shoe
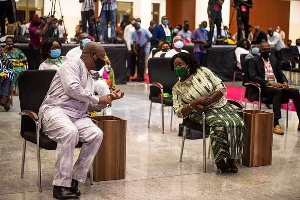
74 187
62 193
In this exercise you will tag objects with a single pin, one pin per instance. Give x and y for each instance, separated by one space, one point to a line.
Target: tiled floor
153 170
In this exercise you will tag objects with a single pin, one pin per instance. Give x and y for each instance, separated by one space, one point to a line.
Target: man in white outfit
275 41
64 119
101 88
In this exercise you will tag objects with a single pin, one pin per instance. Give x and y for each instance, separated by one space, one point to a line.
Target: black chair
249 85
162 79
33 87
187 123
288 62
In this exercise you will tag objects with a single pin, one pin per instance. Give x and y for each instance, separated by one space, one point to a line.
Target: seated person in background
64 119
18 59
259 36
266 71
288 44
200 90
76 52
6 76
243 47
185 34
164 47
296 50
178 45
51 54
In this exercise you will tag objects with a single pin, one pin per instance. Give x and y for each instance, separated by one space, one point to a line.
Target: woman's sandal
223 167
233 166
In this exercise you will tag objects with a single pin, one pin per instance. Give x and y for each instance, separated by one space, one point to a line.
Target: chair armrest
157 84
250 83
31 114
236 103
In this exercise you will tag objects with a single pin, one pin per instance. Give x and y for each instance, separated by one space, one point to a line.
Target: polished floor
153 170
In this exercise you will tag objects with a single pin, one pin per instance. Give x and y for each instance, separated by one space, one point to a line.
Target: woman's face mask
178 44
55 53
181 71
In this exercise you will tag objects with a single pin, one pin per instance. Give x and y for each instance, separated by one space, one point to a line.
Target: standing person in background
243 10
275 41
108 14
141 48
35 32
185 34
152 26
296 50
52 32
131 59
120 32
214 12
87 15
62 33
200 39
281 33
162 32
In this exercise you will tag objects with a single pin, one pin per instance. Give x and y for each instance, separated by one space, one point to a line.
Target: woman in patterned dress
18 59
198 90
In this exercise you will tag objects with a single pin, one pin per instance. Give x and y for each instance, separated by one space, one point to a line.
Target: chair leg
163 118
204 143
287 115
171 119
39 168
23 159
233 80
92 176
183 140
149 114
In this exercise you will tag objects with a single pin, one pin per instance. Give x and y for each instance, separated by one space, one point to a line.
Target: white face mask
179 44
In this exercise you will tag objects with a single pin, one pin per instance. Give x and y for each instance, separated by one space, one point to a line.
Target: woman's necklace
54 63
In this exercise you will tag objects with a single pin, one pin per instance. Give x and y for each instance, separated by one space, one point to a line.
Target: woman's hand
205 101
200 108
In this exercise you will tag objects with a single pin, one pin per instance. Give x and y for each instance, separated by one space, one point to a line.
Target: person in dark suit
162 32
259 36
266 71
296 50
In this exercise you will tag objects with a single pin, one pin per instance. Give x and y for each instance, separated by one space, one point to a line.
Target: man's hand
130 51
105 100
285 85
275 85
116 95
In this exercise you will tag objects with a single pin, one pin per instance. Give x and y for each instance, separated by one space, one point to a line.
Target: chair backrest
160 71
33 87
245 67
288 55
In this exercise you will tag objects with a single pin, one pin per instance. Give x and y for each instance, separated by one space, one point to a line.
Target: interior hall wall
266 13
178 11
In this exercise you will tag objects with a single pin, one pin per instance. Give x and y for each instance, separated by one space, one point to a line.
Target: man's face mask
165 22
178 44
270 33
255 50
85 41
265 54
99 63
181 71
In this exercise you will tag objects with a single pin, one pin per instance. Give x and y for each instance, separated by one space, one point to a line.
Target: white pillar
71 10
294 32
142 9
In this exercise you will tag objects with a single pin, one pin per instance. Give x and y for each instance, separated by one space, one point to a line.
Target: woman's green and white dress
226 127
